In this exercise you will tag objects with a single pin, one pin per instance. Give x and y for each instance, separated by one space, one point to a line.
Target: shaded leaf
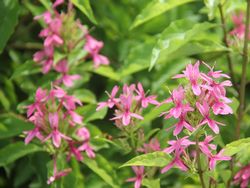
85 7
14 151
9 10
151 183
156 8
102 168
236 146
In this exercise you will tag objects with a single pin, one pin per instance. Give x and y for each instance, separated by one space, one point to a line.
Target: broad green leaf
11 125
85 95
14 151
175 36
102 168
211 5
107 72
151 183
89 112
236 146
226 175
9 10
156 8
157 159
85 7
27 68
4 101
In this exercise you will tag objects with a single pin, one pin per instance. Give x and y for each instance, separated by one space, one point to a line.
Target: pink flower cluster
243 177
55 39
193 106
129 104
53 114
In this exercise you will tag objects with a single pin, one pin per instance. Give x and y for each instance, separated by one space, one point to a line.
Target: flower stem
225 40
200 172
243 74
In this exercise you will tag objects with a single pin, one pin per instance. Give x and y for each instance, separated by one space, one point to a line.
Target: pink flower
41 96
74 151
243 177
175 162
111 101
205 146
75 118
145 100
178 146
153 145
193 74
126 115
88 149
57 175
182 123
139 170
204 110
55 134
67 79
218 157
177 98
93 46
83 134
57 3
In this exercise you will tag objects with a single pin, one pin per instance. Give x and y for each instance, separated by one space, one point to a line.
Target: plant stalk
225 40
243 74
200 172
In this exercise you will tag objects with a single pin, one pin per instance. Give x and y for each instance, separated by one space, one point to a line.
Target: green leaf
85 7
9 10
14 151
211 5
156 8
236 146
89 112
175 36
234 105
11 125
102 168
157 159
107 72
151 183
27 68
4 101
85 95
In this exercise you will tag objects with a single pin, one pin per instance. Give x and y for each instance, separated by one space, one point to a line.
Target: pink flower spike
243 176
88 149
111 101
100 60
76 118
145 100
182 123
139 171
218 157
74 151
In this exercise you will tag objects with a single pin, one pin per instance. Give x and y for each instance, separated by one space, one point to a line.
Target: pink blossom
55 134
175 162
182 123
142 97
243 176
193 74
204 110
75 118
83 133
93 46
205 146
177 98
111 101
57 3
178 146
88 149
139 171
218 157
74 151
57 175
153 145
41 96
126 115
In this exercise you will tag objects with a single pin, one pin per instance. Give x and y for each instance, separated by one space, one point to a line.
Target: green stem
225 40
243 74
200 172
